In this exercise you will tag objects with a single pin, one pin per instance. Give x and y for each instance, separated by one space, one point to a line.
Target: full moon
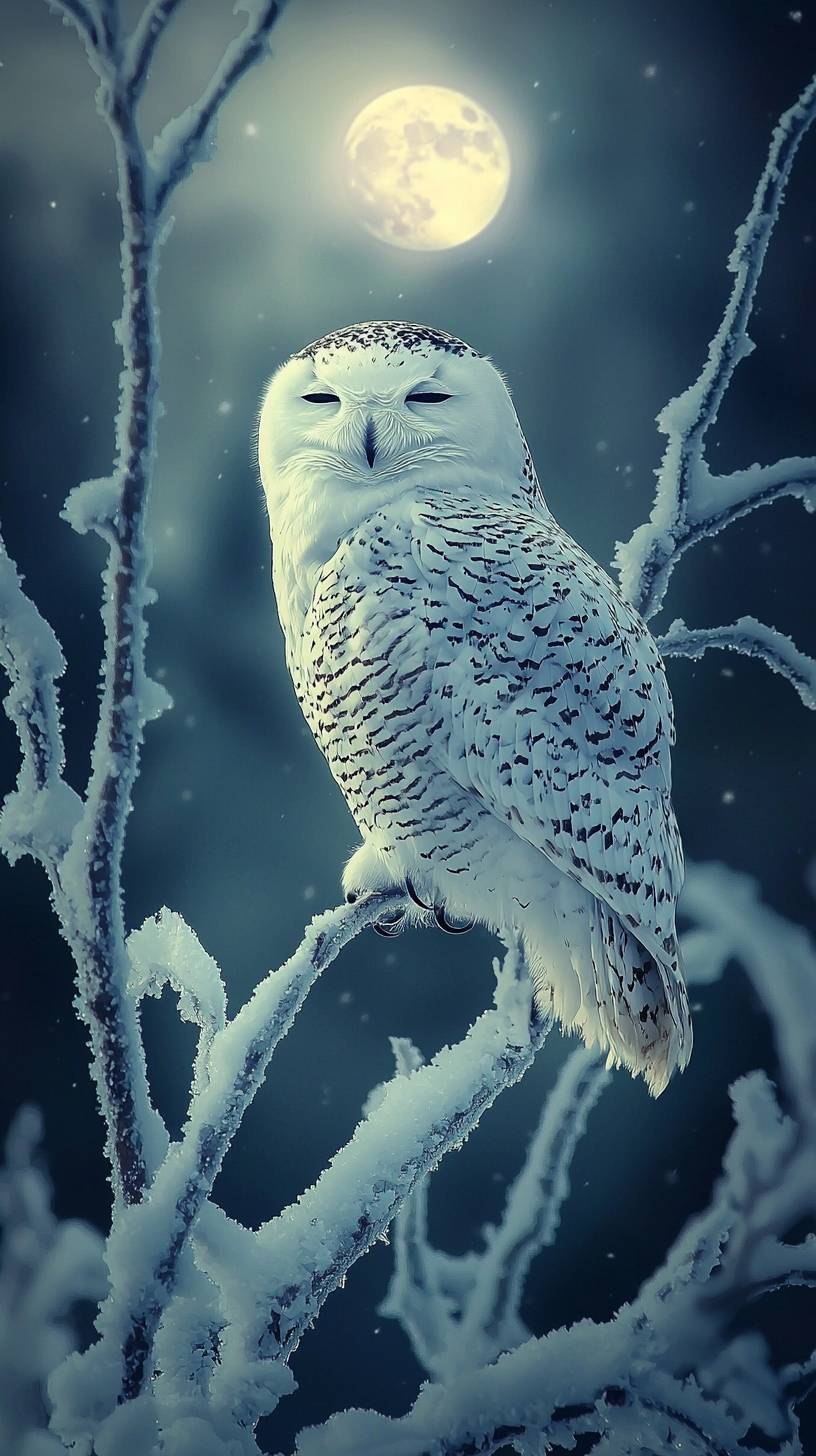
427 167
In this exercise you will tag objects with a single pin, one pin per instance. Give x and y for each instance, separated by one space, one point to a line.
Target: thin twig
143 42
81 17
751 638
646 562
96 854
239 1055
533 1207
454 1334
39 817
179 145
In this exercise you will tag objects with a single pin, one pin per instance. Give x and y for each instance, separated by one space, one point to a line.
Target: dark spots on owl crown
393 335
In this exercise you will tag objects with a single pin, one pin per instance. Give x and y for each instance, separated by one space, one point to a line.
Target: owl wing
549 701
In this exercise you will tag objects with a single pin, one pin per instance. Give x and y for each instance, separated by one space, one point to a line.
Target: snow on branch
165 951
148 1241
751 638
671 1361
116 507
690 503
305 1253
38 818
462 1312
46 1269
85 22
143 42
184 139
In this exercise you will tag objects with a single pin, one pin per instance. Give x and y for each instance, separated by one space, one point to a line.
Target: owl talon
444 924
414 896
389 926
389 929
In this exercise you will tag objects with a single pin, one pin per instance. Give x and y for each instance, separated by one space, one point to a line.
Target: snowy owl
496 716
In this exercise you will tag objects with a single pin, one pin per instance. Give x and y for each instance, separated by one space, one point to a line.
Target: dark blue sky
637 132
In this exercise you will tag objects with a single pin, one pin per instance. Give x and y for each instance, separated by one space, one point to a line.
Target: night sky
637 132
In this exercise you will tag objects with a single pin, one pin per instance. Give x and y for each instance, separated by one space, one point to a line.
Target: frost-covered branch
116 509
462 1312
166 952
143 42
92 866
41 817
751 638
679 1358
691 503
305 1253
38 818
46 1269
183 140
85 20
149 1240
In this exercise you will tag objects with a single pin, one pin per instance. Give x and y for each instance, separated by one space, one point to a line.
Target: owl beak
369 443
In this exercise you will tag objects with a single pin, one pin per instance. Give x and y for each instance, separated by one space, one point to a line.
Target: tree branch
142 45
418 1296
94 861
491 1321
38 818
721 499
751 638
303 1255
180 144
156 1233
79 15
165 951
460 1313
686 493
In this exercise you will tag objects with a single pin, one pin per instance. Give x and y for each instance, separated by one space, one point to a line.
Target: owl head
374 409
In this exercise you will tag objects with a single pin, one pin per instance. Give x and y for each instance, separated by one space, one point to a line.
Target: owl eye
322 398
425 398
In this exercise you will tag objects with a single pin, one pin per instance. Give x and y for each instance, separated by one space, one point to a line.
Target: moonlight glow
428 168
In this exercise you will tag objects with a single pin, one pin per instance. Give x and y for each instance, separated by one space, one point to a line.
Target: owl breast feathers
498 720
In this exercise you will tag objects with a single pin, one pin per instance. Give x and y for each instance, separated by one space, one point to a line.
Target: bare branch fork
690 503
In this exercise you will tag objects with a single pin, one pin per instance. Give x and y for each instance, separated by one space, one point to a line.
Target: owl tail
643 1006
619 997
